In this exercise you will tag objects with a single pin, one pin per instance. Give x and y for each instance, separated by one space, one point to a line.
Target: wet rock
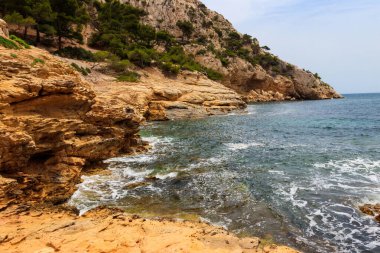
372 210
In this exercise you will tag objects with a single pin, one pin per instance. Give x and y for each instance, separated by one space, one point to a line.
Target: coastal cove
293 172
156 126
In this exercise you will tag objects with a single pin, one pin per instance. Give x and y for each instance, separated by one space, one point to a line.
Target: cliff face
157 97
52 125
213 46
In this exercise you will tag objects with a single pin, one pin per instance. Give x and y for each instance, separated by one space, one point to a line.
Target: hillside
55 126
171 35
247 68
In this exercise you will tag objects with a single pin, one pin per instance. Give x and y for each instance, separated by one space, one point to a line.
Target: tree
187 29
42 12
17 19
119 25
164 37
71 16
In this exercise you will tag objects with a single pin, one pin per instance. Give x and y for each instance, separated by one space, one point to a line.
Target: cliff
247 68
159 97
52 125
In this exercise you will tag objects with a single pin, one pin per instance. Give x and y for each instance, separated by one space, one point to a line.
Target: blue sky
339 39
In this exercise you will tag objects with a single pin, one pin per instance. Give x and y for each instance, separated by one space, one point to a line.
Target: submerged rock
372 210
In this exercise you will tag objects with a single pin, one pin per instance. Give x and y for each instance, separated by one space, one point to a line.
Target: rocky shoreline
43 229
54 126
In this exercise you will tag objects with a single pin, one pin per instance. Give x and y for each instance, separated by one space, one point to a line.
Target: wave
364 170
242 146
336 221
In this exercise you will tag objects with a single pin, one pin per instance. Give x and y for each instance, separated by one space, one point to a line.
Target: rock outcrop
211 39
372 210
158 97
3 28
110 230
52 126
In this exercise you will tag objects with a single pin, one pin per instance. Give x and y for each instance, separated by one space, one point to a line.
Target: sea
293 173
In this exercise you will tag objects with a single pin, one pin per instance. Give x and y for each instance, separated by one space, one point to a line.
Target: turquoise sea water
294 170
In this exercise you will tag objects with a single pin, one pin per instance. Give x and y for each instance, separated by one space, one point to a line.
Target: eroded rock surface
3 28
253 82
110 230
372 210
52 125
158 97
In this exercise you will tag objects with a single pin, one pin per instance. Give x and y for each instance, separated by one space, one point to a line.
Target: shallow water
294 170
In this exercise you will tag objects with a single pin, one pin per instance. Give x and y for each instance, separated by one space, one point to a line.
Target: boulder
4 29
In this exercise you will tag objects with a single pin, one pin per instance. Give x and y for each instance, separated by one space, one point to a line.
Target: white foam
242 146
132 159
166 176
128 172
208 162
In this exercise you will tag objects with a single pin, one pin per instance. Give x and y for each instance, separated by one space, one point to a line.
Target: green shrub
80 69
186 27
218 31
141 57
13 55
170 68
213 74
265 60
36 61
8 43
192 66
128 76
289 67
316 75
19 41
202 52
76 53
202 40
120 66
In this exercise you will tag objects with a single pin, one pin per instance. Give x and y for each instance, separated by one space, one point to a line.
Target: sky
338 39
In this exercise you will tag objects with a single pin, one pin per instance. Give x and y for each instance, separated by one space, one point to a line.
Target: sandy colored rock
4 28
372 210
52 125
158 97
292 83
110 230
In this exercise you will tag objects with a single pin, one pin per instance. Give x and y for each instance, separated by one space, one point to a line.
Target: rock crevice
52 125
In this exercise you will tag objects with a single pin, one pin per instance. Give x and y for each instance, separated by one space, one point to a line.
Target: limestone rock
372 210
240 75
112 230
52 125
158 97
4 29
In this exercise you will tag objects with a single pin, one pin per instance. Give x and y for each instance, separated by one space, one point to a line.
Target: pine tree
71 16
44 16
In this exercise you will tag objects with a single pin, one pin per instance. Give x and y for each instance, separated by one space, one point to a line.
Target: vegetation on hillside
118 31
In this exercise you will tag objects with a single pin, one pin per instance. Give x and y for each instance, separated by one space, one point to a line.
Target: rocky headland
218 45
54 125
61 117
